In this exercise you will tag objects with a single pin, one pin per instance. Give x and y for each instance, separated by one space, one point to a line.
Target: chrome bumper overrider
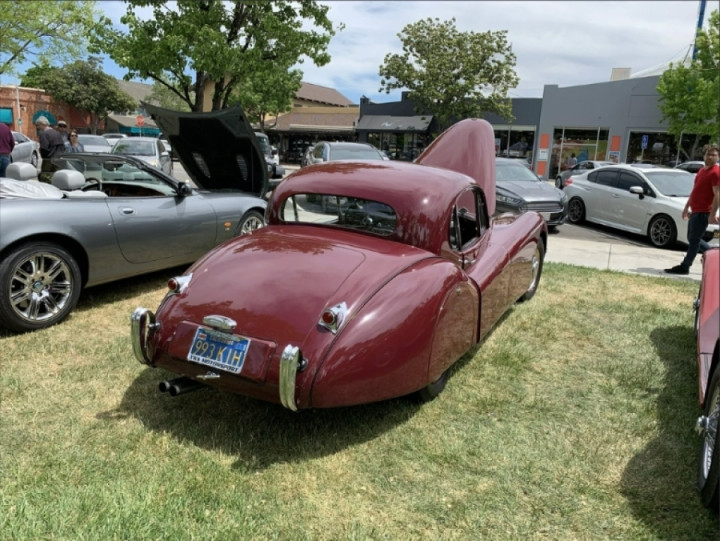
289 363
142 325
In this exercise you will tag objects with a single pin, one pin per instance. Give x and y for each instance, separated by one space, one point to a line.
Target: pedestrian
73 145
572 161
701 208
62 128
51 146
7 143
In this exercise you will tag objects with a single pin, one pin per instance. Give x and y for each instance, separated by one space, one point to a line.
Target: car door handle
127 211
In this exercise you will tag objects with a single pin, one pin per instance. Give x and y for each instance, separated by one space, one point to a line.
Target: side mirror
184 189
638 190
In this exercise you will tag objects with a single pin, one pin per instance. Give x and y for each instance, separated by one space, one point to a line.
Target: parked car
582 167
327 151
518 189
374 300
94 143
113 136
275 171
110 216
637 198
707 333
25 150
149 149
691 167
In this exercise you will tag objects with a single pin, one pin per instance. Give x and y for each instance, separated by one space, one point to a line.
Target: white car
26 150
635 198
149 149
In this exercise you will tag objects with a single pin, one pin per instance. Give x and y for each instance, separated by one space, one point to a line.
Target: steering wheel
92 184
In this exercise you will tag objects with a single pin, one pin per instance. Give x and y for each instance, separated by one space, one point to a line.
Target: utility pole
701 16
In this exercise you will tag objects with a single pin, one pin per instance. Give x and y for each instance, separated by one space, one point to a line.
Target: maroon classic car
707 331
370 280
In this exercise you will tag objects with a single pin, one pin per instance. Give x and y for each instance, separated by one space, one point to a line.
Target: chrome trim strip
289 362
220 323
142 325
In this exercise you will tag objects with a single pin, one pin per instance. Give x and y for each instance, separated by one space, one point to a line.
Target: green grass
573 420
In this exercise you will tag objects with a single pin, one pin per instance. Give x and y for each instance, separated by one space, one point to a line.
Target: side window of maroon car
469 219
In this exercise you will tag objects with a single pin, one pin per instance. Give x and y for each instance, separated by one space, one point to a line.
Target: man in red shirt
701 208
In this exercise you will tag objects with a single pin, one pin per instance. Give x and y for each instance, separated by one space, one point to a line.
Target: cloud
556 42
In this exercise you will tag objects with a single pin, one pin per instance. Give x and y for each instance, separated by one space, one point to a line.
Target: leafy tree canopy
689 93
451 73
51 31
164 97
85 86
231 44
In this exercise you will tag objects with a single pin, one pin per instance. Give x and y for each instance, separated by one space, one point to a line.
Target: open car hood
217 149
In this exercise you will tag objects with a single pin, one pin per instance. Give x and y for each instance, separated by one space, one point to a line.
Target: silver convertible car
106 217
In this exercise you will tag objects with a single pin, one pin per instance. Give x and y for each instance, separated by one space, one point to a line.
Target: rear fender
419 323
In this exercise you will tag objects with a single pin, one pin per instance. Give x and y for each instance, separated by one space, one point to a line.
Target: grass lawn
573 420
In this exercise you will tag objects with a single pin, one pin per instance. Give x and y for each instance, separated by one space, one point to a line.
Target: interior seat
70 183
21 171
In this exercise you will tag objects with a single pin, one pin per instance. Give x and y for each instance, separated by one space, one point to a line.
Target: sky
566 43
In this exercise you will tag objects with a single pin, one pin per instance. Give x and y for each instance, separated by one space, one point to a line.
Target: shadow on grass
259 434
659 481
127 288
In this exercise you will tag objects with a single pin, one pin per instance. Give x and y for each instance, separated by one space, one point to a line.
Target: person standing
701 208
73 145
51 146
7 143
62 129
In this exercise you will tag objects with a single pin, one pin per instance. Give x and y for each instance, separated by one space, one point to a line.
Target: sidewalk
619 257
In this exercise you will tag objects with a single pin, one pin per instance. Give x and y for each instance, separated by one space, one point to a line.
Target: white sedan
634 198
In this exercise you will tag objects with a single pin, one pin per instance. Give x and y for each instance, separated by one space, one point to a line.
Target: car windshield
505 172
134 148
340 211
355 153
671 183
264 142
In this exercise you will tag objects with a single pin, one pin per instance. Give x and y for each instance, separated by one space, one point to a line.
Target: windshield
340 211
672 183
505 172
264 142
134 148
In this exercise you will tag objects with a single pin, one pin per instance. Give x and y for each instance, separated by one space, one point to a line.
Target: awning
381 123
6 115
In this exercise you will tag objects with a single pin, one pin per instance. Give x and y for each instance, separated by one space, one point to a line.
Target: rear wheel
536 267
576 211
662 231
250 222
39 286
559 182
708 474
34 159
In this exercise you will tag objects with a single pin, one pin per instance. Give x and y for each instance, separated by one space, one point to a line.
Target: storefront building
617 121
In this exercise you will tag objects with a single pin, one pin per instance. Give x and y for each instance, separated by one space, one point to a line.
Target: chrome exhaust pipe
179 386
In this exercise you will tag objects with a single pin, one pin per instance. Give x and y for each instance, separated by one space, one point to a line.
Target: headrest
21 171
68 180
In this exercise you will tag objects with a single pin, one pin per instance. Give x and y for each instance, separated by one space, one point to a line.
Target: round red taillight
173 285
328 317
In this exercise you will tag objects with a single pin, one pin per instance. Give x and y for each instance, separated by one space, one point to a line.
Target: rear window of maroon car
339 211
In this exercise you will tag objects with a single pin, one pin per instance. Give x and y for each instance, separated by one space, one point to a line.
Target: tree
164 97
452 74
85 86
268 97
51 30
224 45
689 93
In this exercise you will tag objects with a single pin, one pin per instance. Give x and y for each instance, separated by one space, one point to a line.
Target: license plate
219 350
